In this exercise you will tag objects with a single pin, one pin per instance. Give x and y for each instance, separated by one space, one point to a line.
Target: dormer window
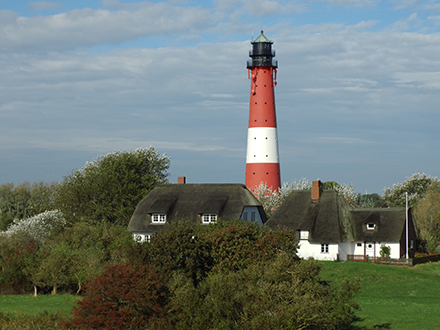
303 234
209 218
158 218
371 226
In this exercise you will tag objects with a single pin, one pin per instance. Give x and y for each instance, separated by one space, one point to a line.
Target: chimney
316 191
181 180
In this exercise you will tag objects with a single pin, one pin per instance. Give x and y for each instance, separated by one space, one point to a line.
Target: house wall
374 250
141 237
307 250
250 213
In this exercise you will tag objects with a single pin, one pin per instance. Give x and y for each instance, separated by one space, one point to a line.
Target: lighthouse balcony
262 62
260 52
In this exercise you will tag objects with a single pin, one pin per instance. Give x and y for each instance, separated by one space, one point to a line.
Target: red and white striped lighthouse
262 163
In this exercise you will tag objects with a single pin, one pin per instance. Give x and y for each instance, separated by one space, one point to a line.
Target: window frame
158 218
371 226
208 218
325 248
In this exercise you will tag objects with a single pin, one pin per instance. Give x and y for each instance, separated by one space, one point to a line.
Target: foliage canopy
109 188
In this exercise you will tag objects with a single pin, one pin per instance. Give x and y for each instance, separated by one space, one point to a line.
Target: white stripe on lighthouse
262 145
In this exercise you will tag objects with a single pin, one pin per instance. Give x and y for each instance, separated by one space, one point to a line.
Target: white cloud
88 27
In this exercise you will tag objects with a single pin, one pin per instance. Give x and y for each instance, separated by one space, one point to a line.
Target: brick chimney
181 180
316 191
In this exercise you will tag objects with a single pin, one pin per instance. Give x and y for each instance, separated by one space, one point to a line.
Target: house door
370 249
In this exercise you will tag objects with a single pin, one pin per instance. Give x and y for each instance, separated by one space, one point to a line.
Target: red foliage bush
125 296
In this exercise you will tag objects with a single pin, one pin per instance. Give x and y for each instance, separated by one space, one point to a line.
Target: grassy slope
402 297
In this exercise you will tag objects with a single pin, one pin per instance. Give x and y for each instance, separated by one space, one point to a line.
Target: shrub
125 296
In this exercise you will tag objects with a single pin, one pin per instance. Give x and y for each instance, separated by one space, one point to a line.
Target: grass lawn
395 296
29 305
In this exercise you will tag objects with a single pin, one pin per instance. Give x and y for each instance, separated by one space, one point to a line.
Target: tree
427 215
109 188
282 293
17 251
125 296
25 200
272 199
416 186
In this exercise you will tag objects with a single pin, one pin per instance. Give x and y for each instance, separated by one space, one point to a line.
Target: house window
359 244
158 218
371 226
141 238
303 234
252 216
209 218
324 248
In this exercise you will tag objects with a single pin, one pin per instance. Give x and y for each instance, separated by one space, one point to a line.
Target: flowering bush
272 199
39 226
416 186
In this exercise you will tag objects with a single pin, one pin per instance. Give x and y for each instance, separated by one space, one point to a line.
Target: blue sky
357 95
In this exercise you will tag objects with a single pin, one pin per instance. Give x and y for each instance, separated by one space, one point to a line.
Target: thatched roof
322 219
189 201
389 224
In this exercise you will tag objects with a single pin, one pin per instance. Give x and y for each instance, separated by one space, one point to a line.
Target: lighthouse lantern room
262 162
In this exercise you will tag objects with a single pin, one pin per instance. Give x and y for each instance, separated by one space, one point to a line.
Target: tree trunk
35 291
54 290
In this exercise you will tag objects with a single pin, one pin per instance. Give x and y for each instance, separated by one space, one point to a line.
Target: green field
392 297
395 297
42 304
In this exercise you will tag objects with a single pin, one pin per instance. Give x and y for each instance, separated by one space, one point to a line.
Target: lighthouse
262 163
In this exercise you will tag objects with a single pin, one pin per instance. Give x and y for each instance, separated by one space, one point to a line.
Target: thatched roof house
329 228
204 203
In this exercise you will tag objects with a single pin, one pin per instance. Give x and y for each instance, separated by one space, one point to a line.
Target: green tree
25 200
415 186
282 293
427 215
109 188
17 252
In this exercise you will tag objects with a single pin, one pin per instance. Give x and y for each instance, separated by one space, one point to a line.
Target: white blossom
38 226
